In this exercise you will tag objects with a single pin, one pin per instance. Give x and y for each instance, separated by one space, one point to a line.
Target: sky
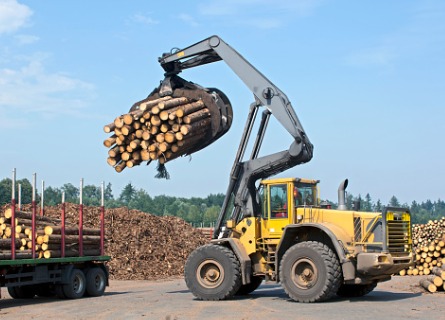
366 79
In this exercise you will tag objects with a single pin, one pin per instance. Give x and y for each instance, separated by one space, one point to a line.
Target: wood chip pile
142 246
429 251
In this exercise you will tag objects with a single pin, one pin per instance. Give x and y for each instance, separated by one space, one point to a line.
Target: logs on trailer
142 246
48 239
163 128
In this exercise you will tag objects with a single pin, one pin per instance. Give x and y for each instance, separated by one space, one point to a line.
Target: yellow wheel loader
277 230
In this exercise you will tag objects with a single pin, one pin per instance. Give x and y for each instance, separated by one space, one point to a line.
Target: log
148 104
198 125
109 127
120 166
24 254
436 280
155 121
113 152
172 103
50 230
69 253
119 122
128 118
68 246
110 141
28 215
195 116
427 285
6 243
112 161
56 238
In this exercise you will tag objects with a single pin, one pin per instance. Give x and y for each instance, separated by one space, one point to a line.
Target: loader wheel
310 272
245 289
355 290
212 272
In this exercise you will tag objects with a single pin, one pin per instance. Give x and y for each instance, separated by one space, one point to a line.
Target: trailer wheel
355 290
44 290
22 292
76 286
245 289
58 289
212 272
310 272
96 282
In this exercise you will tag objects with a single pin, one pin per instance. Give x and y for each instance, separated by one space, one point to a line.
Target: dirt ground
399 298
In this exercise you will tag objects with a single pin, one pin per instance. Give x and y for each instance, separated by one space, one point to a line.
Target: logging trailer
277 230
68 275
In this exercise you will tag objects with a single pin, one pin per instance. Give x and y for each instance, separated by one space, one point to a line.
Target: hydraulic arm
245 173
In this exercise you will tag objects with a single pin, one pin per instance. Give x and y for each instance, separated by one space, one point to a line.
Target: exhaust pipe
342 195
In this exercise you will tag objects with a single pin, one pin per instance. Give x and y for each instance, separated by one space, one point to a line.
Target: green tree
91 195
5 191
53 196
367 203
127 194
378 206
108 192
71 193
211 214
194 215
394 202
141 201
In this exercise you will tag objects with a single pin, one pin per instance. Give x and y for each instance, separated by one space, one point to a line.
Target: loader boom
245 173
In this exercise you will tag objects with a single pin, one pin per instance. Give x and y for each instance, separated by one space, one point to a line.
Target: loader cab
280 198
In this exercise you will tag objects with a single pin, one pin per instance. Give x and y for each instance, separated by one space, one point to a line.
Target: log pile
163 128
142 246
429 252
47 243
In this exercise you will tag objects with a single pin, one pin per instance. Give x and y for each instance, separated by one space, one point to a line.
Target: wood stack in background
47 237
161 129
429 253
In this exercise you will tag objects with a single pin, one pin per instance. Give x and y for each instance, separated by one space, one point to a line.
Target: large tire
355 290
212 272
310 272
76 286
245 289
22 292
96 282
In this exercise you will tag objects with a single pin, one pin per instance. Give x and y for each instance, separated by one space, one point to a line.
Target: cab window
304 196
278 201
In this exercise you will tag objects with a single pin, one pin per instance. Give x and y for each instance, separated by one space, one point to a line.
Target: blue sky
366 79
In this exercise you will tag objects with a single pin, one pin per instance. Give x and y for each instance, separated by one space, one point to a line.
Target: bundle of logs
48 238
161 129
429 251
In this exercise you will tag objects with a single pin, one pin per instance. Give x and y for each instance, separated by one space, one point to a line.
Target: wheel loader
277 229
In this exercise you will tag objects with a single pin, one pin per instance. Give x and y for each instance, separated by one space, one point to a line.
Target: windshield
305 195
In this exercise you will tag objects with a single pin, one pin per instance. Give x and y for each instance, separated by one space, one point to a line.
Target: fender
317 230
241 254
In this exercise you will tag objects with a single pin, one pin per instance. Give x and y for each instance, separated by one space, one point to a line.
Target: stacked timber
429 253
142 246
47 239
163 128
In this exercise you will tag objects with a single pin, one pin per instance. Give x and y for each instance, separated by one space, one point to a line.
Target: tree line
195 210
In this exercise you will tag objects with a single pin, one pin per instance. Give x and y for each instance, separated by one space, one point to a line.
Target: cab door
276 209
